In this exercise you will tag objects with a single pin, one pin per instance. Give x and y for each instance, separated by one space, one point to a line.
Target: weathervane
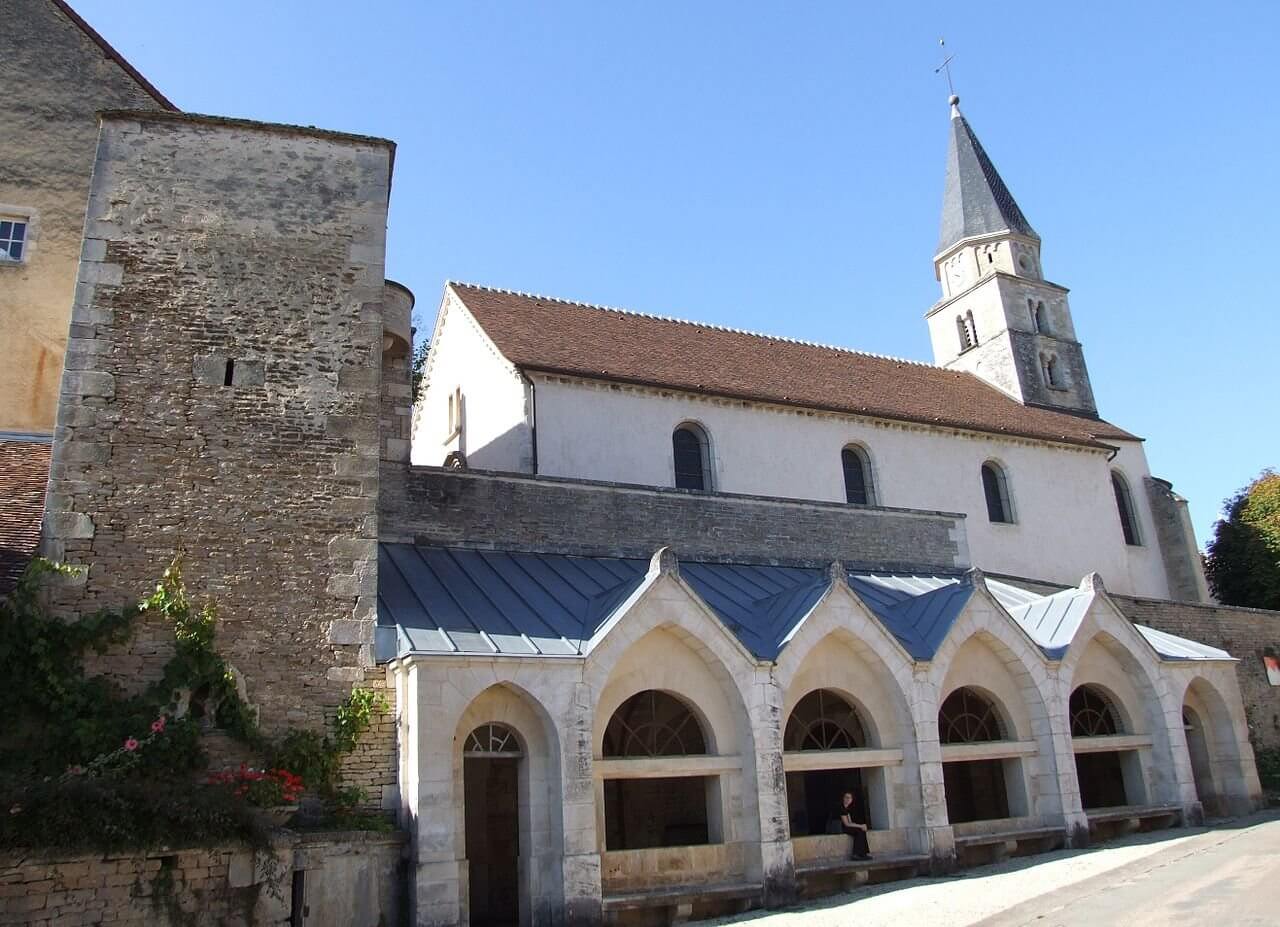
945 66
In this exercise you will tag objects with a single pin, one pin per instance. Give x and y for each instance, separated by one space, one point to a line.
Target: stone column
777 860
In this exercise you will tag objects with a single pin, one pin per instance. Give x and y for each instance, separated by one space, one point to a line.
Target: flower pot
277 816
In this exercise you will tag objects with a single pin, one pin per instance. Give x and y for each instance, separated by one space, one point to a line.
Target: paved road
1223 876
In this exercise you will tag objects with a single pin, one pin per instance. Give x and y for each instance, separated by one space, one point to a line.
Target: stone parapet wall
346 878
1249 634
429 505
222 396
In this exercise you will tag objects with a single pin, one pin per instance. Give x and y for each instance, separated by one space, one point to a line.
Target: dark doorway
491 806
813 799
975 791
1101 778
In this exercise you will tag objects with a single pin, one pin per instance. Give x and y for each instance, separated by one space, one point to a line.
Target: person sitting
856 830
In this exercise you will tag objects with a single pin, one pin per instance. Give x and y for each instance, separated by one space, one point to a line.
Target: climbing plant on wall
83 765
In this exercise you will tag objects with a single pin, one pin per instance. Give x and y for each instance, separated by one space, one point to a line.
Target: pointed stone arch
669 641
1221 765
1107 651
843 650
986 649
539 814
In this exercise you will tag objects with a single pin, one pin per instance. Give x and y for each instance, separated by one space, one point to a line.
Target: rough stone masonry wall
348 879
213 241
429 505
1249 634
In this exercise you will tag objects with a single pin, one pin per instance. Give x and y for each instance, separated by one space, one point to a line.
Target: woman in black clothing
856 830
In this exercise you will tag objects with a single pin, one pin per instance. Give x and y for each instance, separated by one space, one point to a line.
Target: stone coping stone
1027 833
1126 812
841 866
682 894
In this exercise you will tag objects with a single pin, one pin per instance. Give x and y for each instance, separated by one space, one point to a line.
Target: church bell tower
998 317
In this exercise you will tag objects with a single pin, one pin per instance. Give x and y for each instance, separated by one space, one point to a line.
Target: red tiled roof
555 336
24 470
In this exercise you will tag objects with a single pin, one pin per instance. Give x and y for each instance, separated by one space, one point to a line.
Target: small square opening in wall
13 238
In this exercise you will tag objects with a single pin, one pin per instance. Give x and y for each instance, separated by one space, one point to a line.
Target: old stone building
654 594
66 72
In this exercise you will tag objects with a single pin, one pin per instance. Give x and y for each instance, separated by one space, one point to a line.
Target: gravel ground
973 894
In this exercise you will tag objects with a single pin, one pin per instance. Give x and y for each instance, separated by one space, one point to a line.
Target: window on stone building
963 330
13 238
1124 505
1051 371
858 488
692 451
454 413
680 809
1107 778
968 717
995 486
824 720
1038 319
976 790
1092 714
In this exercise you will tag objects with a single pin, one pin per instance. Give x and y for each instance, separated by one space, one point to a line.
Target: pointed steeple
976 201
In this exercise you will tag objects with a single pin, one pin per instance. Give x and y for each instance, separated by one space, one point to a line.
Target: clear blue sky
778 167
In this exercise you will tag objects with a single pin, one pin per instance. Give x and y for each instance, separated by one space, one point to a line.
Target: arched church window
653 723
995 486
492 740
824 720
967 717
971 326
1038 319
1050 370
1124 505
1092 714
962 328
857 476
692 451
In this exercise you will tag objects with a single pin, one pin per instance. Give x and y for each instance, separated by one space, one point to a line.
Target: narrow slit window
995 486
1124 506
857 476
229 373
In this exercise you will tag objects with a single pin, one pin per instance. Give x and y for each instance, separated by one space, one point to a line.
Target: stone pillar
1064 759
777 860
939 841
582 886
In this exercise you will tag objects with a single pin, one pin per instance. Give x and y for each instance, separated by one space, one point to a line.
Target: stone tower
998 317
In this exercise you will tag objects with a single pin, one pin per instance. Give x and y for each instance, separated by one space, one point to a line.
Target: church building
648 596
757 573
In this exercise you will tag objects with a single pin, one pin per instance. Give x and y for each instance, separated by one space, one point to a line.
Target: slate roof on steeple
975 201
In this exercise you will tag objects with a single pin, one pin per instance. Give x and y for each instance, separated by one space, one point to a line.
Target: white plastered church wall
492 428
1064 508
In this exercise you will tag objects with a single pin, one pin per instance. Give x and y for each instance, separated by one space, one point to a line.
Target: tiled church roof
24 471
556 336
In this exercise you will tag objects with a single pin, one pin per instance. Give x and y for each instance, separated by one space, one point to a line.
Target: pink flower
131 744
157 725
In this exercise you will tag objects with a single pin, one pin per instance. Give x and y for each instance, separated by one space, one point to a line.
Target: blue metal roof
458 600
453 600
761 605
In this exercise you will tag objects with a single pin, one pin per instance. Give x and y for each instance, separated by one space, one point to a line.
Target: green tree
418 366
1242 561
